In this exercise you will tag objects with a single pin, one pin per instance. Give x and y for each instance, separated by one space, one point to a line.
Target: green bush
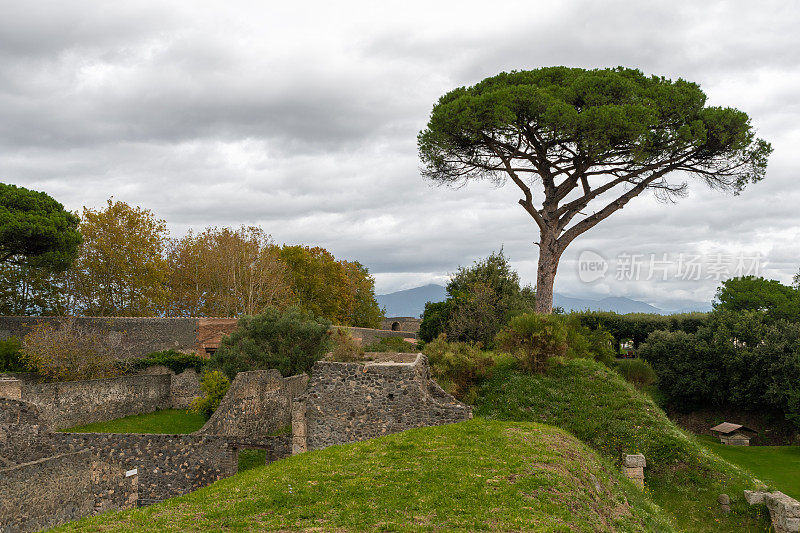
636 371
637 326
392 344
746 359
458 366
175 361
10 356
291 341
533 339
434 320
346 349
215 386
582 342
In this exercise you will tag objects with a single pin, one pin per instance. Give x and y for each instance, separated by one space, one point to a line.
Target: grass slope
777 465
604 411
475 475
169 421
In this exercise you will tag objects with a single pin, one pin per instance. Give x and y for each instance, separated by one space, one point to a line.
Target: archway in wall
395 326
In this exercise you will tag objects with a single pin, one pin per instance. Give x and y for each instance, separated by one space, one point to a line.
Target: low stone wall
45 493
401 323
54 490
74 403
168 465
368 336
783 510
141 335
348 402
257 405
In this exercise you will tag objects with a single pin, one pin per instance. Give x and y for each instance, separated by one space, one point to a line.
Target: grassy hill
476 475
605 412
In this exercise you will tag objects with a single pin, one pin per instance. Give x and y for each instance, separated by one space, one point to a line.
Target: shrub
636 371
582 342
290 341
392 344
746 359
215 386
10 356
65 351
346 349
533 339
458 366
637 326
175 361
434 320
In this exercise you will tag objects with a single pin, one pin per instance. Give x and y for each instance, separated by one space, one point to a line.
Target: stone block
724 499
634 460
753 497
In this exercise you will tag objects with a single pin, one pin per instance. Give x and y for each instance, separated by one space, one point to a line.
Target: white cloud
303 118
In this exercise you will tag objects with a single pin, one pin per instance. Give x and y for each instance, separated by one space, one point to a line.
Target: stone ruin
347 402
55 477
783 510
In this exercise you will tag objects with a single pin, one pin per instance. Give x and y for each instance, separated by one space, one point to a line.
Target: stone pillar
298 427
633 467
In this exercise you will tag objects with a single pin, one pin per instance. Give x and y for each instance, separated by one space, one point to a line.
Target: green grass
604 411
169 421
475 475
778 466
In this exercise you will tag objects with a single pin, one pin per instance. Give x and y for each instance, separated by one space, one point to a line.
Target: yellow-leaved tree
121 269
226 272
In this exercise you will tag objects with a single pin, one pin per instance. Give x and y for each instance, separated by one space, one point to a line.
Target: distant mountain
618 304
411 302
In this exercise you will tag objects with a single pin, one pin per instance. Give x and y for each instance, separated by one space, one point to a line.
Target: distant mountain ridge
411 302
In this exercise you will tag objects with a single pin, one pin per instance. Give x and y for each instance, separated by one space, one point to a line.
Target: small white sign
133 472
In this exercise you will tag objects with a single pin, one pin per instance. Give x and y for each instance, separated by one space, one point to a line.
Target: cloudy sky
302 117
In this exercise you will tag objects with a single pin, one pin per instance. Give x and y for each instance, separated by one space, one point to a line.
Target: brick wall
347 402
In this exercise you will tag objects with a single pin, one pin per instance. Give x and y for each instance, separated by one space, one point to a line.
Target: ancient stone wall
167 465
401 323
348 402
368 336
257 405
45 493
54 490
140 335
73 403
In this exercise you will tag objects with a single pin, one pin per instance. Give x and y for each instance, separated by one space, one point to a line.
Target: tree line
120 260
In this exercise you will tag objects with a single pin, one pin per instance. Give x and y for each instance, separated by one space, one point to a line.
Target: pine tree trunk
549 256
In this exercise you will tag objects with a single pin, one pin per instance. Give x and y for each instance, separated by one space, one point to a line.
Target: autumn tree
319 283
121 269
365 312
226 272
580 144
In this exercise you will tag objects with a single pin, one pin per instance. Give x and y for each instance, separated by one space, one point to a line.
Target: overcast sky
302 117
